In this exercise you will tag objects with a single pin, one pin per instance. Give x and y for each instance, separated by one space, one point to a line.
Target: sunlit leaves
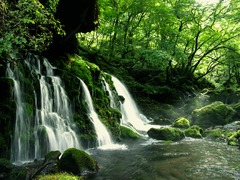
28 26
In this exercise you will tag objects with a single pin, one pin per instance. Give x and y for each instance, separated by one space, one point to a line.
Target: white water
54 116
110 93
103 136
52 127
131 116
20 143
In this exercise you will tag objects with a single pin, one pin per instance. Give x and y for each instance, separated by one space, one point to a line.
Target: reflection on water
187 159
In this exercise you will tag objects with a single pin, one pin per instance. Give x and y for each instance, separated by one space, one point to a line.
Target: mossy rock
76 161
234 139
214 134
128 133
216 113
181 123
194 132
166 133
52 156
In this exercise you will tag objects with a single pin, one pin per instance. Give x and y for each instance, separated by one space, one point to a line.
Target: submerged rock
213 114
181 123
166 133
77 162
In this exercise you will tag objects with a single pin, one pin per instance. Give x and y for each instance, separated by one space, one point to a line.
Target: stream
146 159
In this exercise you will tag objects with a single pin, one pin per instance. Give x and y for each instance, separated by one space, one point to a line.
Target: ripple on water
187 159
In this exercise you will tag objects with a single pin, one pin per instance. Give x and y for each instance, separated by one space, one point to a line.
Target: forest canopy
178 41
184 40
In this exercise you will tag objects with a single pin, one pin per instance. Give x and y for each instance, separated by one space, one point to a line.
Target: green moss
166 133
181 123
233 139
214 134
85 70
59 176
194 132
128 133
29 109
76 161
213 114
52 155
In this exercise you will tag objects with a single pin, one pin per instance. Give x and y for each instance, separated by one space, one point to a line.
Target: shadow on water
151 160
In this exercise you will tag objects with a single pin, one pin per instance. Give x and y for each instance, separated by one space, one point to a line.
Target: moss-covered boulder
194 132
166 133
127 133
234 139
181 123
216 113
52 156
76 161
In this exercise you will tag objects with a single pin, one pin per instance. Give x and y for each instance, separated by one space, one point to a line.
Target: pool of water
154 160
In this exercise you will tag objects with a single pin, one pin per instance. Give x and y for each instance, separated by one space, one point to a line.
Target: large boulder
166 133
216 113
181 123
77 162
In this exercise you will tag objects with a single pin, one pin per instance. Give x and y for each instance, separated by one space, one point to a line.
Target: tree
26 25
183 38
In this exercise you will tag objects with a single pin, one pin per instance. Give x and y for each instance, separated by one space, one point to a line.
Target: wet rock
77 162
166 133
128 133
213 114
194 132
181 123
233 140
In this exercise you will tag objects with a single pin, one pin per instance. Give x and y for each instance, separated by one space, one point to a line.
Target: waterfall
110 93
103 135
20 143
52 127
131 116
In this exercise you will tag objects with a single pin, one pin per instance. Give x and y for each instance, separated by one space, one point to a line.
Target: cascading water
103 135
52 127
20 143
131 116
110 93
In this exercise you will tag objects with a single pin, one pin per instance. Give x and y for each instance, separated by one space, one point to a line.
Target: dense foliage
27 25
176 42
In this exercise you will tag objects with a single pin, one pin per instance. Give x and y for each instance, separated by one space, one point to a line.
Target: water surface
187 159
